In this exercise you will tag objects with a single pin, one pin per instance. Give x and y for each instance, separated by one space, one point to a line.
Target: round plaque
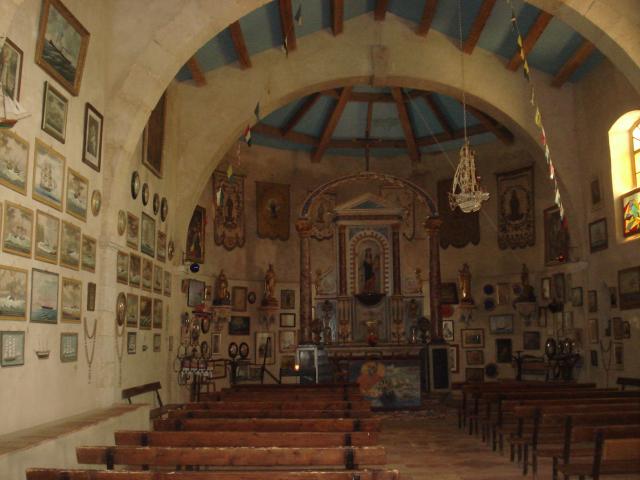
96 202
156 203
233 350
135 184
164 209
244 350
205 324
121 308
145 194
171 249
204 350
122 222
251 297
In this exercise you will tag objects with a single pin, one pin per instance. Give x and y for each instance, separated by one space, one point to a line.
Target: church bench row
282 396
270 424
313 387
266 413
273 405
245 439
79 474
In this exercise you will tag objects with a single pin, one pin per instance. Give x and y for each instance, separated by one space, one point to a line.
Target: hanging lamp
466 192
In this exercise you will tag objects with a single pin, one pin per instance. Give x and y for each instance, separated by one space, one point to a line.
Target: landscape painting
148 240
13 293
48 176
77 195
132 310
71 300
388 384
17 231
62 45
145 313
134 270
47 237
14 161
70 244
89 253
44 296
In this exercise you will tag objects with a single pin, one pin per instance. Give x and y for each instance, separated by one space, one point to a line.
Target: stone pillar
303 227
432 226
395 249
342 260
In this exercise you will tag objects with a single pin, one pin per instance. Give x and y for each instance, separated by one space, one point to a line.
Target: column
342 260
303 227
432 226
395 248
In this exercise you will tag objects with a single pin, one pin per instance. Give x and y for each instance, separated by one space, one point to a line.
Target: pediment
368 204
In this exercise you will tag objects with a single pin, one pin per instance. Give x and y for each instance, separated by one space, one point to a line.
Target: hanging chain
120 350
464 95
87 337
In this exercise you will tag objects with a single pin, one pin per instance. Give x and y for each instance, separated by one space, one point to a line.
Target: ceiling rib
239 45
405 121
428 13
437 111
530 39
301 112
492 125
337 16
286 22
571 65
331 124
478 25
196 72
381 10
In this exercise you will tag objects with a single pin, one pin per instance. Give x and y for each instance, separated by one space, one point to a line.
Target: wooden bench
270 424
274 405
624 382
266 413
79 474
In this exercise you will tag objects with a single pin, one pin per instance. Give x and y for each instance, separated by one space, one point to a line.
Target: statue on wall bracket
516 212
228 200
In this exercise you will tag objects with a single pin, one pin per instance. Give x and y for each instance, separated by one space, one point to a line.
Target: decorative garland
87 337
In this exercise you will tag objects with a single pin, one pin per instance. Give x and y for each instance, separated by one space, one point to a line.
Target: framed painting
161 253
239 299
132 338
449 293
474 374
195 235
598 237
265 348
71 300
157 342
501 324
531 340
388 383
48 176
62 45
132 310
157 313
454 358
153 138
14 167
545 288
239 325
596 193
287 340
133 230
147 274
592 301
12 353
631 213
92 138
157 279
504 350
146 310
216 344
195 295
272 210
556 237
167 284
54 113
576 296
472 337
70 245
89 253
447 330
617 328
11 74
122 267
559 287
618 355
17 230
287 299
47 237
474 357
44 296
77 195
13 293
91 297
148 237
629 288
68 347
287 320
135 270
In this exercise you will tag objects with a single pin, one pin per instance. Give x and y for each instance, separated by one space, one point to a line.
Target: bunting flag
247 135
285 47
537 116
256 111
229 171
298 16
219 197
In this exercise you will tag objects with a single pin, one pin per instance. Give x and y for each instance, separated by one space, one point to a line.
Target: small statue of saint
222 296
269 297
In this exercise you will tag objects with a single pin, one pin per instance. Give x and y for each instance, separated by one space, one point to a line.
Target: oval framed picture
171 249
145 194
156 203
251 297
96 202
121 308
135 184
122 222
204 350
244 350
164 209
205 324
233 350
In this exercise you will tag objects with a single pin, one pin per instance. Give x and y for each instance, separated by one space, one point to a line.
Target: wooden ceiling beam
530 39
571 65
275 132
381 10
286 22
428 13
196 72
437 111
405 122
478 25
337 16
501 132
331 124
301 112
239 45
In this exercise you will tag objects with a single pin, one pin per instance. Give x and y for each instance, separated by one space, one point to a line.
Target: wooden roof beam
301 112
239 45
530 39
576 60
381 10
275 132
337 16
196 72
331 124
405 121
478 25
286 22
492 125
428 13
437 111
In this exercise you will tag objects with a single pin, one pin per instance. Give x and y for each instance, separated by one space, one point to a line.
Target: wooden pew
269 414
245 439
315 387
282 396
270 424
624 382
274 405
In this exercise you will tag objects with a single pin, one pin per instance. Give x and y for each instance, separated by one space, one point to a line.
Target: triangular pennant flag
525 69
538 118
533 96
565 222
557 197
547 153
298 16
285 47
229 171
543 136
552 171
247 135
219 197
256 111
522 53
520 42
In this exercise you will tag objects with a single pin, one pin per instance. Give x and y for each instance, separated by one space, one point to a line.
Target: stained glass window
635 134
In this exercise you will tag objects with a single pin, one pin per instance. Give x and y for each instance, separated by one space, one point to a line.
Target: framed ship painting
44 296
145 313
134 270
132 310
133 230
13 293
88 253
122 267
11 74
48 176
62 45
629 288
70 245
47 237
68 347
14 161
147 274
54 113
71 300
157 313
148 238
17 230
12 349
92 140
157 279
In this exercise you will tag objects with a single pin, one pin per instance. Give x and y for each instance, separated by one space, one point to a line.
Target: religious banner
272 210
403 198
458 228
228 201
516 214
321 216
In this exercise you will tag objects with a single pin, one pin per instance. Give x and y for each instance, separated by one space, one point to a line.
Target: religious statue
465 285
370 269
222 296
269 297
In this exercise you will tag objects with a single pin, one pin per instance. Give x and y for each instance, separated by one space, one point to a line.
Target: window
635 138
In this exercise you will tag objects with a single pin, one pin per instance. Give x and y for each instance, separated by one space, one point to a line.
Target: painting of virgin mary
370 268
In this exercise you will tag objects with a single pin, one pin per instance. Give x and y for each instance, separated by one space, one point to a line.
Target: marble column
432 226
303 227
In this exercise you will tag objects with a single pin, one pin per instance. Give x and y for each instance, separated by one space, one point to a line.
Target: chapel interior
416 209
